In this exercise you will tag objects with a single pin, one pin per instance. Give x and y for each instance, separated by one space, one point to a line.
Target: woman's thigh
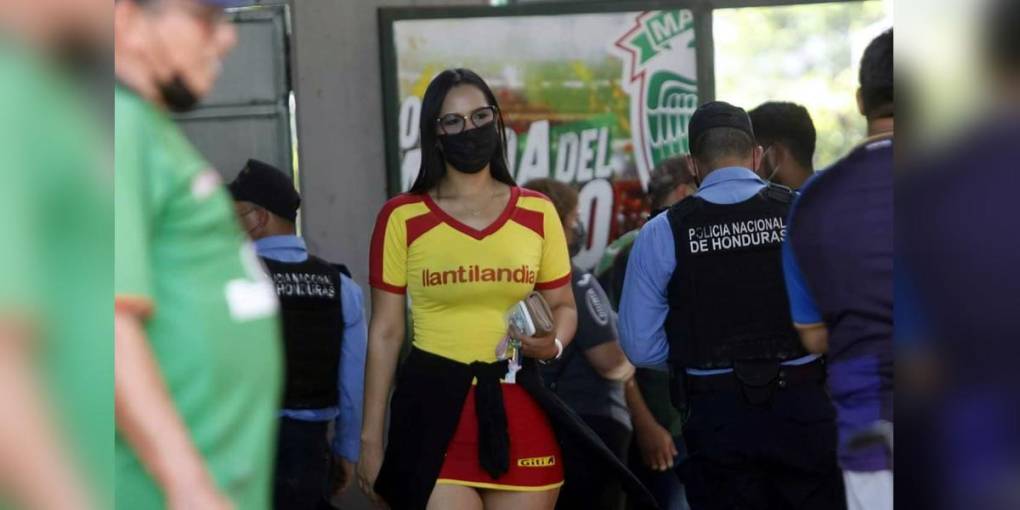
513 500
446 496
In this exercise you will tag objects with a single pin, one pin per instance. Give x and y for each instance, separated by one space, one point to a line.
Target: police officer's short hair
786 123
722 142
877 77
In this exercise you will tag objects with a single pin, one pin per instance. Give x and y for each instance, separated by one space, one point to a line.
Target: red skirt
536 463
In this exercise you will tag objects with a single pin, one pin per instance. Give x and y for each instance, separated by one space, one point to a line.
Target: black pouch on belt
758 380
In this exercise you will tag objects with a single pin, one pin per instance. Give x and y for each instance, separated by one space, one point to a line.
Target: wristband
559 353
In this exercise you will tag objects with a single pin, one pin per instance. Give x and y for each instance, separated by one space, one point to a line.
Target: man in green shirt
56 358
198 354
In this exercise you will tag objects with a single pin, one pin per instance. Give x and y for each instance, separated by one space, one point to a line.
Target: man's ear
779 154
263 217
860 103
692 166
756 158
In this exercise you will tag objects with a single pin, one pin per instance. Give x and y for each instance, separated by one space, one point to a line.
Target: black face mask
470 151
177 95
580 238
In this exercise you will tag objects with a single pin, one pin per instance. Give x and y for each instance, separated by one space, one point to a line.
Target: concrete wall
338 87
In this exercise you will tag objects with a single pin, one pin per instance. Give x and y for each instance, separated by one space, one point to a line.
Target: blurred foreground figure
197 341
957 301
838 264
56 358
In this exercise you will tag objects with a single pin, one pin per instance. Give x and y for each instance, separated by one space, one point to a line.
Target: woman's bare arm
385 337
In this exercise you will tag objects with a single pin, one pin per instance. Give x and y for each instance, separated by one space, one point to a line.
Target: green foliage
804 54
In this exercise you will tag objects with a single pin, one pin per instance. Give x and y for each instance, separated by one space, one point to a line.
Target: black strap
342 268
681 209
493 436
778 193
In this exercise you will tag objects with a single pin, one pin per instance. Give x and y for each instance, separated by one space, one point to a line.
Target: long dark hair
433 166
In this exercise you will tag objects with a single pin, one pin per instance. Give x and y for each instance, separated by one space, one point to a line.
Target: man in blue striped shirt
705 298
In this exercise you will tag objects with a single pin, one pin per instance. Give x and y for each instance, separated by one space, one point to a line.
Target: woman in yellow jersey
465 244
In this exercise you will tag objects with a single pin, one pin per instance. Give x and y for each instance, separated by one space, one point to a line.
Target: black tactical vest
309 295
727 297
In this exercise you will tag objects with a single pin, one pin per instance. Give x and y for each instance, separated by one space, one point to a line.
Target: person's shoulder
624 241
534 200
526 193
348 285
621 244
404 199
653 226
868 154
404 205
132 124
127 104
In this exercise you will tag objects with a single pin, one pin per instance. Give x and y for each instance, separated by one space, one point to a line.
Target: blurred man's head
564 199
265 200
788 135
671 182
875 96
57 26
171 51
721 136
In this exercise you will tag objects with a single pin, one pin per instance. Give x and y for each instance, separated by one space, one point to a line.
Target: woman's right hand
369 464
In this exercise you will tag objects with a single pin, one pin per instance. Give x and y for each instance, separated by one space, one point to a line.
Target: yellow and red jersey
461 281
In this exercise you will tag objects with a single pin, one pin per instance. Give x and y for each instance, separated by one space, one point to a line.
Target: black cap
267 187
717 114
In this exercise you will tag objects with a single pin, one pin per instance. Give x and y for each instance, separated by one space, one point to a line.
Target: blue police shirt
347 441
644 304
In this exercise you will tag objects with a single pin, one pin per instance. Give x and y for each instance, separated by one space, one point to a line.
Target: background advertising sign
596 100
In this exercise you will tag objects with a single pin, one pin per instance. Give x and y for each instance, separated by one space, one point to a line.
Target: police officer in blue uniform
705 299
325 341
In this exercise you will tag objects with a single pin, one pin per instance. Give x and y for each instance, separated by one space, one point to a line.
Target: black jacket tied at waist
493 437
426 408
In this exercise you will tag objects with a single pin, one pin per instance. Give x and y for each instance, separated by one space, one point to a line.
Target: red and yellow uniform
461 282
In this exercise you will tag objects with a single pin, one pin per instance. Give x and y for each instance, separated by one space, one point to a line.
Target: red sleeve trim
527 192
532 220
381 285
420 225
555 284
375 255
